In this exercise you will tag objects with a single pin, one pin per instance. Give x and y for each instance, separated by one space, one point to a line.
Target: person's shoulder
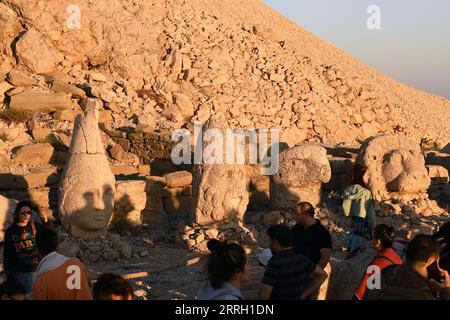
75 261
11 229
321 228
229 297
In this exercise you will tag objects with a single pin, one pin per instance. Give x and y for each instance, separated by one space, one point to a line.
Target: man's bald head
304 213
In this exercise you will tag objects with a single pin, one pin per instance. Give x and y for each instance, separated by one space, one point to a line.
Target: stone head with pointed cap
86 191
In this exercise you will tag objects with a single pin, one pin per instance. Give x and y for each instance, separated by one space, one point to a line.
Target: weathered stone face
302 170
219 190
86 192
396 167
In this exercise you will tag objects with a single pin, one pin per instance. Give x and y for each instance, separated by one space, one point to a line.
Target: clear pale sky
412 46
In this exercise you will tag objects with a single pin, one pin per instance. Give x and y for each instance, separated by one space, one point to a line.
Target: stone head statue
302 170
219 189
396 167
86 191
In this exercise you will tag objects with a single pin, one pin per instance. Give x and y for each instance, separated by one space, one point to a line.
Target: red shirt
383 259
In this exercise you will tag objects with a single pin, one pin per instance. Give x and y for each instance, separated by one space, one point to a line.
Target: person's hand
441 286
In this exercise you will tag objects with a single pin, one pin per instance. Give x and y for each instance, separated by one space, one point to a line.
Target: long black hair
225 260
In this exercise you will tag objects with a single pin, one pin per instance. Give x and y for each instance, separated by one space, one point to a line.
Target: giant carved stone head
219 189
302 170
86 191
396 167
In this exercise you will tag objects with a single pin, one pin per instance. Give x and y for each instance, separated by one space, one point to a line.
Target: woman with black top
20 255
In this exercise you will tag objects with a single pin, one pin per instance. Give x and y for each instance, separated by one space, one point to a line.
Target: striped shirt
288 274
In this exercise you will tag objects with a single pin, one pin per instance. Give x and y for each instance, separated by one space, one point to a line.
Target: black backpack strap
383 257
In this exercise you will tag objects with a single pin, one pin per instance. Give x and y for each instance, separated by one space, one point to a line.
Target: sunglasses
25 212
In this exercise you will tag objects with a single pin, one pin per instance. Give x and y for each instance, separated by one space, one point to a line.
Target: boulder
302 170
97 76
20 80
39 153
272 218
4 87
117 153
438 174
124 170
41 134
56 76
42 177
212 233
111 255
185 104
66 115
86 191
43 197
124 249
60 86
178 179
37 52
35 101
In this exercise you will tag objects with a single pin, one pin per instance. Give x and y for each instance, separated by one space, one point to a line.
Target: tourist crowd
294 264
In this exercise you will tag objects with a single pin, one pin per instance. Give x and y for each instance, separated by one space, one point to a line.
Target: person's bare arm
265 292
318 277
325 254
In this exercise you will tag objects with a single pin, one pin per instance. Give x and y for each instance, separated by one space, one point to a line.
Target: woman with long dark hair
359 206
227 269
20 254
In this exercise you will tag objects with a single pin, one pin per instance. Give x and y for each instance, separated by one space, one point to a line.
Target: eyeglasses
25 212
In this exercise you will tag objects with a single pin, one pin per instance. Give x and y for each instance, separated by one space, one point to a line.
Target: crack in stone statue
86 191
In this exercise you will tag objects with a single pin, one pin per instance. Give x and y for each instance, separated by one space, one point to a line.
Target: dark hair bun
214 245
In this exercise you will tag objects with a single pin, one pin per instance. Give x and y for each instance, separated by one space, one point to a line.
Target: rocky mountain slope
163 64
